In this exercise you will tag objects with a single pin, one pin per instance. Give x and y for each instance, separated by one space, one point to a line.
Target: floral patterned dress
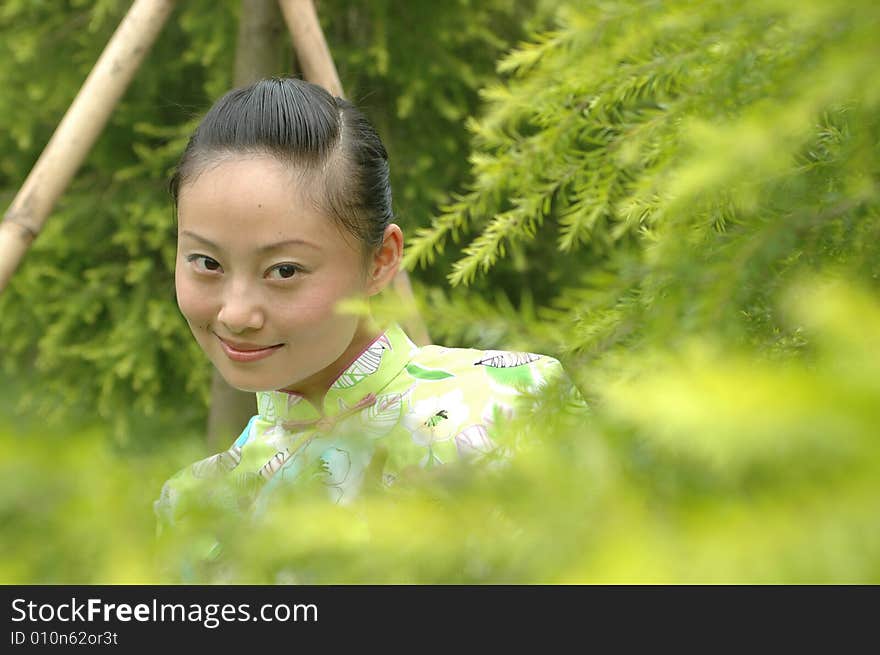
419 407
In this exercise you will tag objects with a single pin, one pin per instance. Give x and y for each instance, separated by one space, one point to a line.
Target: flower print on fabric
422 373
473 441
504 359
336 466
509 368
266 407
271 467
498 410
284 458
293 399
367 364
380 418
434 420
217 464
277 437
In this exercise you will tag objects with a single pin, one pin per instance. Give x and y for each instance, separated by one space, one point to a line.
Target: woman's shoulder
507 367
479 356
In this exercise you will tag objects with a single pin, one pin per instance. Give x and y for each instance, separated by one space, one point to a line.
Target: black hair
305 126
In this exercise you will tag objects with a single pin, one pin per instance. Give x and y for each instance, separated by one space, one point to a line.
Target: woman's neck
314 388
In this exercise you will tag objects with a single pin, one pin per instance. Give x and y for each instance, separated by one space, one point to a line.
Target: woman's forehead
265 248
246 188
256 205
245 175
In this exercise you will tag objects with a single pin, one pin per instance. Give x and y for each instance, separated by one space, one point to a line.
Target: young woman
284 210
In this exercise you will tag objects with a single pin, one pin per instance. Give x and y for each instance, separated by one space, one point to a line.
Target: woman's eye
207 265
285 271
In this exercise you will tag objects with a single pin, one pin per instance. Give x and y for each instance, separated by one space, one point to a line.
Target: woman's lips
248 354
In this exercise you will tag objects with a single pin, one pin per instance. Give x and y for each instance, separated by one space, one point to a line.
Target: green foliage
649 169
712 466
76 509
416 69
91 308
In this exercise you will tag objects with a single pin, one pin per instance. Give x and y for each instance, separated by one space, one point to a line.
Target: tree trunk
259 53
260 49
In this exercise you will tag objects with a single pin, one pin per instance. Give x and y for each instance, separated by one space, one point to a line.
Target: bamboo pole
317 65
78 130
310 45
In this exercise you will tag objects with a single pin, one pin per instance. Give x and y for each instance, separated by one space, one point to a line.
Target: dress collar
373 369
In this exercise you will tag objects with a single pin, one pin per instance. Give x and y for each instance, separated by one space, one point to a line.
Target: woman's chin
248 386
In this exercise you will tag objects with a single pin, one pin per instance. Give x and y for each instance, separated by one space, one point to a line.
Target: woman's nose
240 309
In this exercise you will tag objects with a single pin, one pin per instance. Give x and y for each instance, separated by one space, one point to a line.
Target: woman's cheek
318 305
194 304
181 289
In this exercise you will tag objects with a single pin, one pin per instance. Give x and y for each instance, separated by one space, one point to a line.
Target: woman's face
259 267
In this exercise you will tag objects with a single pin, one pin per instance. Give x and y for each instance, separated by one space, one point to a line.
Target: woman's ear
385 261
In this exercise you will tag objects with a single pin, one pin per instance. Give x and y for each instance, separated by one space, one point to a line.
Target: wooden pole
310 45
257 55
318 67
78 130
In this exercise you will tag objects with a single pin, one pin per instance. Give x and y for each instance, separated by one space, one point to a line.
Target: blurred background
677 199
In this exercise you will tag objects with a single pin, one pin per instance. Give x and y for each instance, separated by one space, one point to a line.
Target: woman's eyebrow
261 249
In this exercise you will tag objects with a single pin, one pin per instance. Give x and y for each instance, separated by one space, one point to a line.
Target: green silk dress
397 408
